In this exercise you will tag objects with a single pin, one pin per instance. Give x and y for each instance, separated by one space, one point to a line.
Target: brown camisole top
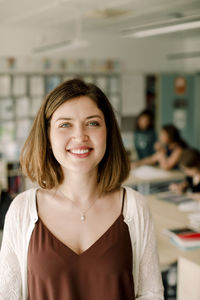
102 272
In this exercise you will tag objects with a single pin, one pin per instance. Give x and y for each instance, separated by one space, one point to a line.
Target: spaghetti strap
123 197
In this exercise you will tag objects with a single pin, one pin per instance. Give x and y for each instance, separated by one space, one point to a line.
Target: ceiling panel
114 16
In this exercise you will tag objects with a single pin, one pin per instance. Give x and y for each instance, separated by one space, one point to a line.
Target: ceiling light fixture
164 29
63 45
75 43
183 55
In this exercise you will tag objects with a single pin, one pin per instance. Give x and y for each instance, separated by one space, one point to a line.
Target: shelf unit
21 94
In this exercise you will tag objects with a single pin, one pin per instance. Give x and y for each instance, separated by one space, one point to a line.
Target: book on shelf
185 238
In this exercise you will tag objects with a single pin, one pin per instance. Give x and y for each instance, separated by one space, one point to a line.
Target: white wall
192 45
138 55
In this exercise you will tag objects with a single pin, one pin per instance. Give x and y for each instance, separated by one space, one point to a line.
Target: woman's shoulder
133 195
136 203
22 203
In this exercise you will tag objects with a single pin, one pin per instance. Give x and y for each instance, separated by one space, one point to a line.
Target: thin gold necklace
82 213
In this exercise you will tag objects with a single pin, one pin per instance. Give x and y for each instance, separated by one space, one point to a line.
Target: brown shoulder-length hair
37 159
174 135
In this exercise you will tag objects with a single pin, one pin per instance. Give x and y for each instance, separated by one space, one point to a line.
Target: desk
153 185
167 215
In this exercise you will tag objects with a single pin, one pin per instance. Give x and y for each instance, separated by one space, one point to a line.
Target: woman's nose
80 134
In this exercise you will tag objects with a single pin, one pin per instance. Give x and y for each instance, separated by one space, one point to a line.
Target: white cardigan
19 224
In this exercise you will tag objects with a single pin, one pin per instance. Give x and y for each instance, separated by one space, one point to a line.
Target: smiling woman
80 235
43 167
78 130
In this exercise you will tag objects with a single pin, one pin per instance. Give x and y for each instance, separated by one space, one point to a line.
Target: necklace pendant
82 217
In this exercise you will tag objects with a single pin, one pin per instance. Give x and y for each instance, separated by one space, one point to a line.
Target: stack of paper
148 172
195 220
190 206
178 199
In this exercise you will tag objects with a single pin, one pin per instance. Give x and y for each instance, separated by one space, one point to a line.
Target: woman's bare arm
150 160
168 163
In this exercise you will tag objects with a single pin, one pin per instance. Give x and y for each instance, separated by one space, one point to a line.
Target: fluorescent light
70 44
64 45
164 29
183 55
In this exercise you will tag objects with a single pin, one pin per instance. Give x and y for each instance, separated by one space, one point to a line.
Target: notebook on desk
174 198
185 238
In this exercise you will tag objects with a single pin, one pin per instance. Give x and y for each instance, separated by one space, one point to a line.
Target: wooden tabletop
167 215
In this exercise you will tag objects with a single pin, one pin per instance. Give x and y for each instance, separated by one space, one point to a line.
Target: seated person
144 135
190 164
168 150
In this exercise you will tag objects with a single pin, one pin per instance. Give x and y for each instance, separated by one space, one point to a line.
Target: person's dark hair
149 114
190 158
37 159
174 135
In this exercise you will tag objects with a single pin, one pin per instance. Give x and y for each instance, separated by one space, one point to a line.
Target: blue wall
168 98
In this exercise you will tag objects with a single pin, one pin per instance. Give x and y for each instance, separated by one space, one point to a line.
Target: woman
168 150
80 235
145 135
190 164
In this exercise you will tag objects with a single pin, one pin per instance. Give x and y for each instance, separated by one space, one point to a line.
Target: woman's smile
81 152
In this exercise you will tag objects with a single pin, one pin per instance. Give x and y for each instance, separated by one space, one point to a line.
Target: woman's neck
80 187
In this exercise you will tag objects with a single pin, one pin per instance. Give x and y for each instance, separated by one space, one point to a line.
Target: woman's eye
93 123
64 125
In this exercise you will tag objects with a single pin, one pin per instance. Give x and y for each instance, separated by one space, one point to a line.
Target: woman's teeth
79 151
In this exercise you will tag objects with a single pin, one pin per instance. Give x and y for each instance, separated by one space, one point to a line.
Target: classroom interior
145 55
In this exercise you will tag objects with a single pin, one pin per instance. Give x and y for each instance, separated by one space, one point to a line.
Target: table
148 186
167 215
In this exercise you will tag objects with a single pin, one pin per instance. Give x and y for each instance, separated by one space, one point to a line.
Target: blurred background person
169 149
190 164
145 135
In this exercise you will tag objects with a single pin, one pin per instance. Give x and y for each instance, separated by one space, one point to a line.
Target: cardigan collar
33 204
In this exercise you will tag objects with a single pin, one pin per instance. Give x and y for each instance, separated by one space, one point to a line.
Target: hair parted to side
37 159
174 135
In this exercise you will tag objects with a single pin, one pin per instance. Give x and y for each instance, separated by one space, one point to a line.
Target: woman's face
163 137
143 122
78 135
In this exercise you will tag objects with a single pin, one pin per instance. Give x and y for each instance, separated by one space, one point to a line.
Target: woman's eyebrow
94 116
70 119
64 119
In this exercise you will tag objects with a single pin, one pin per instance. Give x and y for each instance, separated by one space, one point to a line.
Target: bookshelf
21 94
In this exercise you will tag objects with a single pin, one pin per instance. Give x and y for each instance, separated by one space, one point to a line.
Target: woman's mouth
80 152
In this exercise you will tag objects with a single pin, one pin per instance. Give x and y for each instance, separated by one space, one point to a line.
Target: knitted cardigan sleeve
146 268
10 273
